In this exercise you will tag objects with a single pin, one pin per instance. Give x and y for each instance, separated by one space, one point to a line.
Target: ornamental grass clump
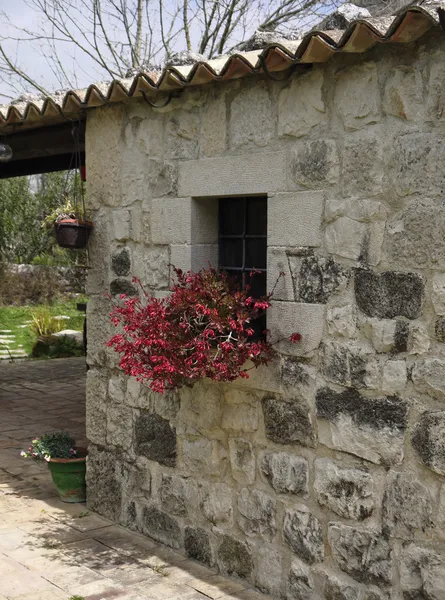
51 445
202 329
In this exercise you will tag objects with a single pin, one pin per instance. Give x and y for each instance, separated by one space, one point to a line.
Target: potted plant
66 463
202 329
72 228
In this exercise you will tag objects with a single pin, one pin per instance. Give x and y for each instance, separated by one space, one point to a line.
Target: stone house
322 475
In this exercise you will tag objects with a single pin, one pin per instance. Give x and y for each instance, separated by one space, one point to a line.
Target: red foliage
202 329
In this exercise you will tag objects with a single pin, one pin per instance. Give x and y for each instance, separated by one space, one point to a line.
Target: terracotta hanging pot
72 233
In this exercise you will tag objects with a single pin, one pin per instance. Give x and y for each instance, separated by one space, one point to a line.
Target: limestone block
304 92
104 486
363 166
428 439
195 257
96 400
389 294
201 407
346 491
138 395
161 179
121 262
166 405
439 329
357 95
304 534
257 513
435 107
251 116
182 134
413 239
146 221
119 426
242 460
155 439
298 376
240 412
147 128
285 318
177 494
197 545
350 364
300 582
289 421
419 160
383 334
269 570
171 220
217 503
254 173
136 229
428 377
213 137
335 588
202 456
362 210
341 321
161 527
99 330
394 378
277 263
287 474
116 388
403 95
317 278
294 219
363 554
438 293
407 505
357 241
421 572
235 558
121 224
316 163
157 270
370 428
120 286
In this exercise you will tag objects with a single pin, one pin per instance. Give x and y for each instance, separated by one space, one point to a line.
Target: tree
108 39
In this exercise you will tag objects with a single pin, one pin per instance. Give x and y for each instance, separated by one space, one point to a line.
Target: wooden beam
34 166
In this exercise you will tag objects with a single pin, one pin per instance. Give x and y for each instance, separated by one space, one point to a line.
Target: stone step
5 330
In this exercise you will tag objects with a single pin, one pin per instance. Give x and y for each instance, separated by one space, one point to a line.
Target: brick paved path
50 550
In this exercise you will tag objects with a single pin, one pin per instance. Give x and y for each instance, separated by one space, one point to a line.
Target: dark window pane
236 278
258 285
231 216
231 253
256 250
256 216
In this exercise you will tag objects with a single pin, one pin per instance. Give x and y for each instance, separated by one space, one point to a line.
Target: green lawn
14 318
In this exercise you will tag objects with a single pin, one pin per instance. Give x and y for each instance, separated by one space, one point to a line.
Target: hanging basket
72 233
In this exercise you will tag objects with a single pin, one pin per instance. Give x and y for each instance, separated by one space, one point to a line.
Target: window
243 243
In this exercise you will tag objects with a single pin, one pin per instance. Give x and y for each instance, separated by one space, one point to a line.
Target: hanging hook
169 98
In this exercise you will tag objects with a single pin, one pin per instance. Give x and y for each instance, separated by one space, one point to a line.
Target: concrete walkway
50 550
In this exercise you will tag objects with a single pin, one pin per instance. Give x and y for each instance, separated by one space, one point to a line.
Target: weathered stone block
407 505
213 137
96 406
438 293
418 339
370 428
285 318
242 460
300 582
416 171
193 257
357 95
303 533
240 411
403 95
104 487
161 178
201 407
350 364
257 513
335 589
173 494
428 377
119 426
383 333
155 438
363 167
421 572
346 491
197 545
365 555
289 422
166 227
389 294
204 456
122 286
269 570
439 329
317 278
394 377
121 262
297 375
316 163
302 226
234 558
428 439
357 209
279 274
120 224
157 270
286 473
342 321
161 527
251 116
217 504
255 173
306 93
182 134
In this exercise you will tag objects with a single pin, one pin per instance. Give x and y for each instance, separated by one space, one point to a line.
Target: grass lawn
15 317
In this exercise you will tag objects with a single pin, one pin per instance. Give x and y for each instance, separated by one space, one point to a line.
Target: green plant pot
69 477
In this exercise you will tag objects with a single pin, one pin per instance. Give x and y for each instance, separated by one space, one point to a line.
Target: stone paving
50 550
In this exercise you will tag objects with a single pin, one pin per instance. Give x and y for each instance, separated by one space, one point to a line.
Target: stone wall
322 475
